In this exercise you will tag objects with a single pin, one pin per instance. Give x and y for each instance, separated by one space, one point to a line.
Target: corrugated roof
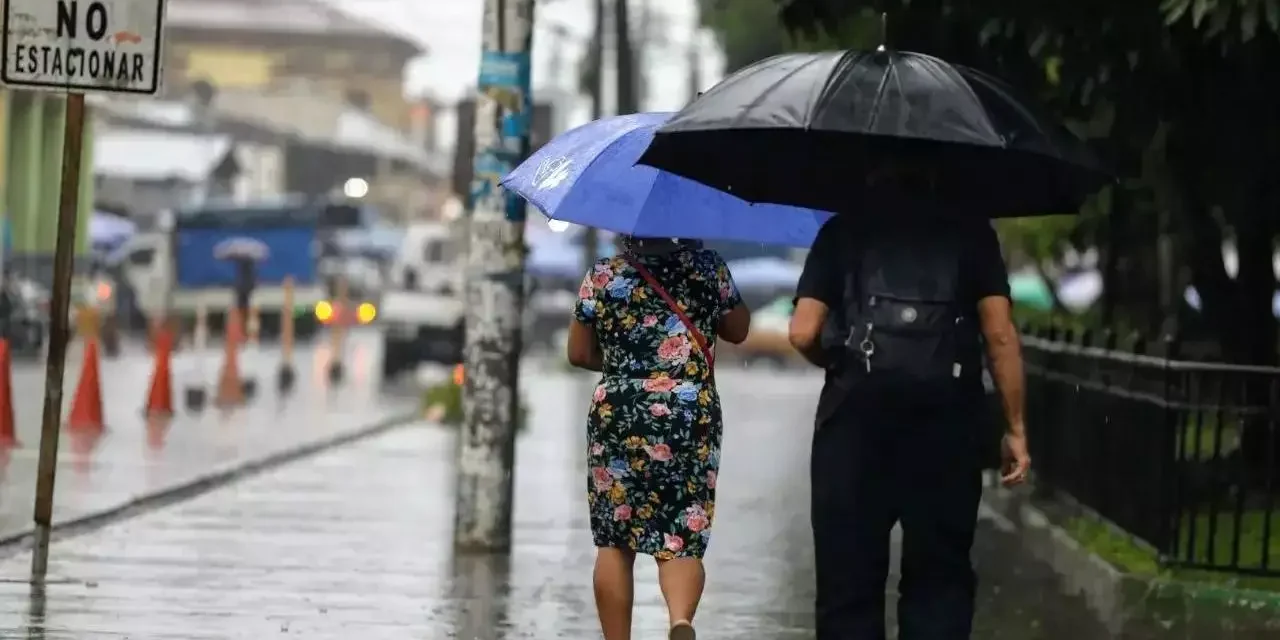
283 16
139 154
319 119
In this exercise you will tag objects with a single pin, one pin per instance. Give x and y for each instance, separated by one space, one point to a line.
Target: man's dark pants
895 461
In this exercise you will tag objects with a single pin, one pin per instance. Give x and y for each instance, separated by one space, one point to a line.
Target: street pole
590 236
59 332
494 282
628 87
694 57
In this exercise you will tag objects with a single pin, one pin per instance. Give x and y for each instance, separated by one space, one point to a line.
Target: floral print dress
654 426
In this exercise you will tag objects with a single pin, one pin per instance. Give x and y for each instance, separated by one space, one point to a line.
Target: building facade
270 46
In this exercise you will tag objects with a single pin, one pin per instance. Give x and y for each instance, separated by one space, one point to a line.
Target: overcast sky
450 29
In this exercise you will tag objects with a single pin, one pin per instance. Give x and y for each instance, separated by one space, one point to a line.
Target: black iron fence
1183 455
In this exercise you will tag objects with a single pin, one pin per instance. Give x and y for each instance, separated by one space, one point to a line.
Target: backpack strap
854 290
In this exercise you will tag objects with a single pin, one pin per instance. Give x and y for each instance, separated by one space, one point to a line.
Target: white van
422 309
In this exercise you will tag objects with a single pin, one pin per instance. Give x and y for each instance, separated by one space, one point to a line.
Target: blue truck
179 269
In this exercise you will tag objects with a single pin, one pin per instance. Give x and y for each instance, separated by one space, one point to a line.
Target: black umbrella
809 129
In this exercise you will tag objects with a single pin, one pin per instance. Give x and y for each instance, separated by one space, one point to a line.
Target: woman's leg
682 580
614 591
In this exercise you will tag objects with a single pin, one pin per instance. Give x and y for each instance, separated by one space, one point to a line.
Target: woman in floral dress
654 426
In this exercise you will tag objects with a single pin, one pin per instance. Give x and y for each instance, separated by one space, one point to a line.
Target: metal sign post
73 47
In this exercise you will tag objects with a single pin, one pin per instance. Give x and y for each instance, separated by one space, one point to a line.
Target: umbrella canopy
109 230
811 129
589 176
241 249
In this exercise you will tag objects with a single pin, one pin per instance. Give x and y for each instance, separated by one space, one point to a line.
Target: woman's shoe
682 630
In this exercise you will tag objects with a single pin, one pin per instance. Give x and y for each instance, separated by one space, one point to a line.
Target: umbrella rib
879 97
765 94
993 84
961 81
847 59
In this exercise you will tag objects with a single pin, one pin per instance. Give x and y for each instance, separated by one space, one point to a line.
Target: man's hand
1017 461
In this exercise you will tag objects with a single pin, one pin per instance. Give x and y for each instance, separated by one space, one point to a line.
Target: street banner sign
84 46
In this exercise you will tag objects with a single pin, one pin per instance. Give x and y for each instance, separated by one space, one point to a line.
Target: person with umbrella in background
898 294
244 254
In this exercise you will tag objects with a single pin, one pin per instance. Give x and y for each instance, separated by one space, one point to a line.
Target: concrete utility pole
494 282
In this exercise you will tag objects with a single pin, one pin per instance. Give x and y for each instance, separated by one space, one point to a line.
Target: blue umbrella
109 231
589 176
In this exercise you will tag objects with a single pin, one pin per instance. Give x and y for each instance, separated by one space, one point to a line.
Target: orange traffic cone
86 407
160 398
230 389
8 434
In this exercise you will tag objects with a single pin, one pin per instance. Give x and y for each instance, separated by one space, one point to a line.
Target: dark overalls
885 458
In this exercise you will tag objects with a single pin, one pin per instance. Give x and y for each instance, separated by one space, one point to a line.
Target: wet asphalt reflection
356 543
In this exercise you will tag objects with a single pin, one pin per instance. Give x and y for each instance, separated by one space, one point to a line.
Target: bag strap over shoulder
657 287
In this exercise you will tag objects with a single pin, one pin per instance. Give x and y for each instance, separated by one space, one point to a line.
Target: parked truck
176 271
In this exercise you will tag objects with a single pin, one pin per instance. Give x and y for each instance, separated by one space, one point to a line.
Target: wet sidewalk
130 459
355 543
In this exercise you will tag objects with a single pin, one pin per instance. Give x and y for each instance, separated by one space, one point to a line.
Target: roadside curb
1135 604
218 478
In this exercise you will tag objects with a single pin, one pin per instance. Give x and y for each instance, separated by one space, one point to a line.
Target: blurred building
31 134
156 170
309 97
265 46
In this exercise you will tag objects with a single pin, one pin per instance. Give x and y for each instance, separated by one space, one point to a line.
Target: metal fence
1183 455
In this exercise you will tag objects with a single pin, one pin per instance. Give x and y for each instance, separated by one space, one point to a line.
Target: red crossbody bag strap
698 338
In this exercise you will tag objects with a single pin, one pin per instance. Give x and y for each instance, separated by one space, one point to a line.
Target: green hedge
448 396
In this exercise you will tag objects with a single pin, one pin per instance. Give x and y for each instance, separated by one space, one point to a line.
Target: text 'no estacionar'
69 56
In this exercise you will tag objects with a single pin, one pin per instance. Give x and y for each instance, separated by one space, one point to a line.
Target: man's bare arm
805 331
1004 351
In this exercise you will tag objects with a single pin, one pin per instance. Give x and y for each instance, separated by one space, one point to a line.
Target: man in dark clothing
882 457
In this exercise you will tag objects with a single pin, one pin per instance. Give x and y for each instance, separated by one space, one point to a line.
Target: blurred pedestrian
246 280
896 301
9 304
648 320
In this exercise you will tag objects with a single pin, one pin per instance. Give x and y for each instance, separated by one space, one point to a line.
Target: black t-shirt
983 274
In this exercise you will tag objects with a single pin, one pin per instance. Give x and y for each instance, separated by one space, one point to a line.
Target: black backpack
903 326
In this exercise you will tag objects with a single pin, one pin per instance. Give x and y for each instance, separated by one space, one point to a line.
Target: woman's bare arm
735 324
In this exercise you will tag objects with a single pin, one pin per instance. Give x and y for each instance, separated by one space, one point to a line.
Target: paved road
355 544
132 459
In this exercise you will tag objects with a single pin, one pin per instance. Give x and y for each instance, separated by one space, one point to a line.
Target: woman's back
639 335
654 424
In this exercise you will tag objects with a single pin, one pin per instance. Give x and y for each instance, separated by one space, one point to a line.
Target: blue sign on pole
504 79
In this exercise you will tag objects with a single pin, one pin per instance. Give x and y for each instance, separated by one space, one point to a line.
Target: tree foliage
1177 95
